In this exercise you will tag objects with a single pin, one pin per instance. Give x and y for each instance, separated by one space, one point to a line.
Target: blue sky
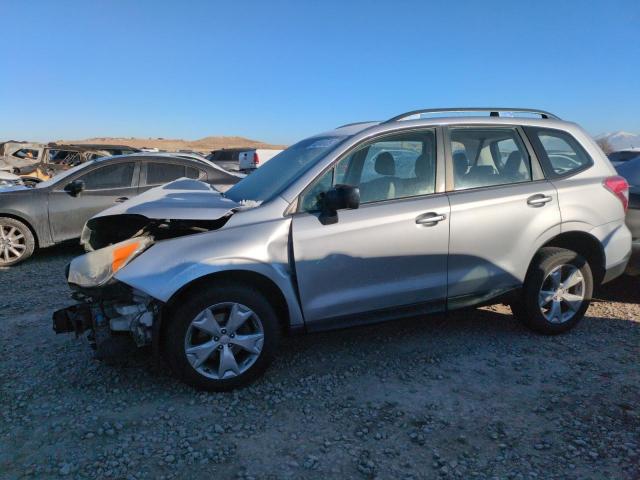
281 70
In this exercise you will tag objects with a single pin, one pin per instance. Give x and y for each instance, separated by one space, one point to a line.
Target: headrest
460 163
514 160
422 166
385 164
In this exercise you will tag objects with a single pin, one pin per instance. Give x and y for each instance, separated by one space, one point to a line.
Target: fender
261 248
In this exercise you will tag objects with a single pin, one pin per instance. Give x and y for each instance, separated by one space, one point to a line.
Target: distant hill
621 140
202 145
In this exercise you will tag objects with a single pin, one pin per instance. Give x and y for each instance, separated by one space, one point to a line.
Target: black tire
181 316
21 240
527 308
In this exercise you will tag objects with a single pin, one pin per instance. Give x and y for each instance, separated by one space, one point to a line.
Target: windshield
278 173
64 174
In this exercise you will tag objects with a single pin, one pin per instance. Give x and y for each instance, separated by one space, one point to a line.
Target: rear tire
222 338
16 242
556 292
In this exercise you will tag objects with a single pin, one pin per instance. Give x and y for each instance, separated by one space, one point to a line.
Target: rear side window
159 173
559 153
193 173
485 157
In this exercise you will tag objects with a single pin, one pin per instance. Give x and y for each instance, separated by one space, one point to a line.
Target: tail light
620 188
256 158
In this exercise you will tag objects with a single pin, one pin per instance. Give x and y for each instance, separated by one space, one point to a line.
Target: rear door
389 254
502 211
105 185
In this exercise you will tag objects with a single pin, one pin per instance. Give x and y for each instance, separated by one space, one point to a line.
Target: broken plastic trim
101 232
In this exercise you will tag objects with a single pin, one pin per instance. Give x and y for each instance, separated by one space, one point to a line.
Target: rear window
559 153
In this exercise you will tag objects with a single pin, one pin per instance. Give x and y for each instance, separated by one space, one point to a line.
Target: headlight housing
96 268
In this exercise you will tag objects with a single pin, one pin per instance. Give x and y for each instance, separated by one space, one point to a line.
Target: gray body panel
494 235
375 257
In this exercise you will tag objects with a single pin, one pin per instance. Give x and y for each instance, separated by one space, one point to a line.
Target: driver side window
392 167
119 175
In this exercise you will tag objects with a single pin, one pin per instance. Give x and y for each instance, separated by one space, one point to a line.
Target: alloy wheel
562 293
13 243
224 340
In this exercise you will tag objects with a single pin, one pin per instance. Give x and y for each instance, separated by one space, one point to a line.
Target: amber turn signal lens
122 254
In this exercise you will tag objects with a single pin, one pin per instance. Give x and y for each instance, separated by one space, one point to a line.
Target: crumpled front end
110 312
110 321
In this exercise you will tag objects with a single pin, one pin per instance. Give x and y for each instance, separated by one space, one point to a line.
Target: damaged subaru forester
430 211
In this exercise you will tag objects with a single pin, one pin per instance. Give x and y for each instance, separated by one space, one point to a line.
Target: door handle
538 200
121 199
430 219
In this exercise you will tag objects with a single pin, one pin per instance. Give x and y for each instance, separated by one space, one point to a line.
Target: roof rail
355 123
493 112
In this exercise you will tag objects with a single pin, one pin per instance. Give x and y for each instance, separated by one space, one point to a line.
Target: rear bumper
614 271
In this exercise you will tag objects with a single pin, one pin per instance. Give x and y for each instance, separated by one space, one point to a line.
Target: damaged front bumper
110 316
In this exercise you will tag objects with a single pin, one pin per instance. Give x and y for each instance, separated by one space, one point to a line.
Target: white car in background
254 158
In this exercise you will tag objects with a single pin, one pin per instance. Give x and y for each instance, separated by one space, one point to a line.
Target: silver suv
427 212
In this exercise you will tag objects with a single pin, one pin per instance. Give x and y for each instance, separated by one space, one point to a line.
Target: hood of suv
182 207
182 199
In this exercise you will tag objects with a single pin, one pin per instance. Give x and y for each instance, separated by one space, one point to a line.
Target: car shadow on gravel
624 289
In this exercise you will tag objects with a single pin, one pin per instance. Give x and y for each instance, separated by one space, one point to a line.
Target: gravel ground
473 395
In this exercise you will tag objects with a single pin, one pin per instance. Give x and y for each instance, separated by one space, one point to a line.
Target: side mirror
340 197
74 188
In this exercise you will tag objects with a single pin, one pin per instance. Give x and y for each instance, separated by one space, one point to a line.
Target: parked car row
57 209
425 212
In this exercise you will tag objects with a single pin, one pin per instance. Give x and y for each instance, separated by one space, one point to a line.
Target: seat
383 187
460 167
422 183
481 176
511 170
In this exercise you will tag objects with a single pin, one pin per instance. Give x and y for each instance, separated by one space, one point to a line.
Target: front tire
556 293
16 242
222 338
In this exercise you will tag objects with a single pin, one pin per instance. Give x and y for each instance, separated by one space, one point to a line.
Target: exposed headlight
96 268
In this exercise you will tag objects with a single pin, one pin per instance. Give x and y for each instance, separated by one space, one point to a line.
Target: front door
105 185
502 210
389 254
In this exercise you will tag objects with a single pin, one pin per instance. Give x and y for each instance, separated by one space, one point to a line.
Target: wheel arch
27 222
245 277
586 245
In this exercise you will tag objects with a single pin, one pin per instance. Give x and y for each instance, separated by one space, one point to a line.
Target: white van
252 159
